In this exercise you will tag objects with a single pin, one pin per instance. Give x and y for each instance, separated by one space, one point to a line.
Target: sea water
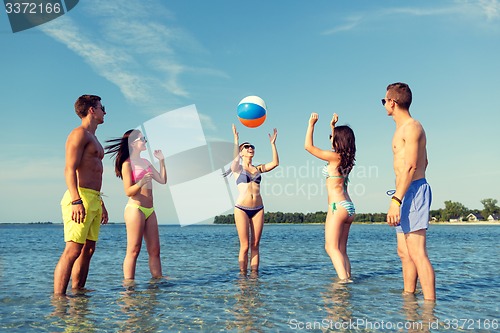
296 289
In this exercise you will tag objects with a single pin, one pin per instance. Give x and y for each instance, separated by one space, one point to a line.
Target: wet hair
84 102
400 93
119 149
344 143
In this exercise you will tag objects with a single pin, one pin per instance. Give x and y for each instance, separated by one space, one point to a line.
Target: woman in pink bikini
140 217
341 211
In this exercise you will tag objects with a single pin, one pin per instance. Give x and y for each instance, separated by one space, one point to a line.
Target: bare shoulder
78 136
325 155
126 166
413 128
79 132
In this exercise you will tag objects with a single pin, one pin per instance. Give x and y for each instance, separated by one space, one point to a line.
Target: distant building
474 217
455 219
494 217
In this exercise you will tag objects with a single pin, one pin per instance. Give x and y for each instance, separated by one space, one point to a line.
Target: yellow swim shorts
89 229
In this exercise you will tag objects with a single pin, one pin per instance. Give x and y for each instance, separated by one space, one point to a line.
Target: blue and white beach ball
252 111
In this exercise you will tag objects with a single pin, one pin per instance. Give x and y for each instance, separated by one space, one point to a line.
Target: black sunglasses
143 139
389 99
248 146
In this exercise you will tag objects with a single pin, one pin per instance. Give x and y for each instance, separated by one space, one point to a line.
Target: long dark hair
119 149
344 143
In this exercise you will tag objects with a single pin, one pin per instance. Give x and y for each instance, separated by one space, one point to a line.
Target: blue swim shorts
416 207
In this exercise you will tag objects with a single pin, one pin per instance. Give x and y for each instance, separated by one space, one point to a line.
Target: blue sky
146 58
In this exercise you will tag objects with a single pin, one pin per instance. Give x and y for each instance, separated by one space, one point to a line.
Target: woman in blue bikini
249 208
140 217
340 207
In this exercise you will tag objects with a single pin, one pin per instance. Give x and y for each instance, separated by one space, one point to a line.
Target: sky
183 66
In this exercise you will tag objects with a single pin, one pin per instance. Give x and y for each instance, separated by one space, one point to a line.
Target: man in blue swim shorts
410 205
415 208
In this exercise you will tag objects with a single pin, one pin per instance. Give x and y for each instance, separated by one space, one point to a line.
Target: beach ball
252 111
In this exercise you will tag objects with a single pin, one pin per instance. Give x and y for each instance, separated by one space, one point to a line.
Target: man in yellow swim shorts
89 229
82 207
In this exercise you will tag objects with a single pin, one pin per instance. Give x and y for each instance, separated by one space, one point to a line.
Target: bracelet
77 202
395 198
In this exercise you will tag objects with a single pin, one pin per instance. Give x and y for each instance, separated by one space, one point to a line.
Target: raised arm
325 155
309 144
276 161
235 165
160 177
334 120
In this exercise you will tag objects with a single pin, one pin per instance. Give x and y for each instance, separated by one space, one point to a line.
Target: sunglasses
143 139
248 146
387 100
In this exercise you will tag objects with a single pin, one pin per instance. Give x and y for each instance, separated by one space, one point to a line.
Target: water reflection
74 312
246 312
139 308
419 317
337 302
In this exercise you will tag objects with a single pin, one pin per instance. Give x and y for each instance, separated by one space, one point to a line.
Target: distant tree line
318 217
279 217
456 210
451 210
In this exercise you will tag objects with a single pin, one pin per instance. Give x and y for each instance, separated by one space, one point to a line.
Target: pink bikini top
138 171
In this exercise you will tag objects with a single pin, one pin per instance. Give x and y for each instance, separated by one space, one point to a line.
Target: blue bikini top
327 175
247 177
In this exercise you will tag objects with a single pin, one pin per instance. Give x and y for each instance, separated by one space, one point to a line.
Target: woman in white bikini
340 207
140 217
249 208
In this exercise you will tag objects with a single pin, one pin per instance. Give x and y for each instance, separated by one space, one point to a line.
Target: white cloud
132 45
491 8
107 61
350 24
421 11
460 8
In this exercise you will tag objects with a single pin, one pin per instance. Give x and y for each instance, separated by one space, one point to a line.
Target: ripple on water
205 292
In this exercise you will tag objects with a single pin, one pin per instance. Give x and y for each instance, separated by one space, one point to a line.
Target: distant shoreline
285 223
468 223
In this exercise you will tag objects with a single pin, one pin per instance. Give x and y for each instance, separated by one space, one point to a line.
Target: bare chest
94 149
398 143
